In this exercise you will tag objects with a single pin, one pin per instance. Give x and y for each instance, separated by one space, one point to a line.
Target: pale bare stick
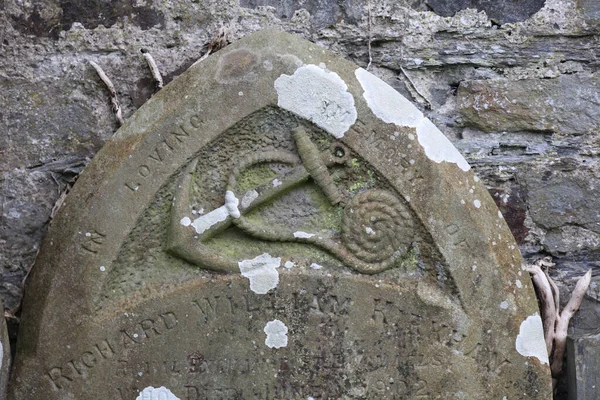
549 312
370 35
158 80
560 336
116 106
427 102
548 263
555 293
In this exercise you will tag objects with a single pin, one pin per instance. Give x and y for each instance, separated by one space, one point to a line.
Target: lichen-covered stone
225 243
47 84
501 11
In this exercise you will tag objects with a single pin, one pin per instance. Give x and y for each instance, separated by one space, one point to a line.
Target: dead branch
415 88
370 35
158 80
116 106
549 311
217 43
562 325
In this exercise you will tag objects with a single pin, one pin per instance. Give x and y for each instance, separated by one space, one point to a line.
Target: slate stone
323 13
558 199
583 363
277 223
501 11
47 18
531 104
590 8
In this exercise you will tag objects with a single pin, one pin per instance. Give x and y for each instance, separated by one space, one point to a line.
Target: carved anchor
376 227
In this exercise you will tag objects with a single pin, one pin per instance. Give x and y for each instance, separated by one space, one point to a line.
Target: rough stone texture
563 105
319 248
425 56
500 11
583 357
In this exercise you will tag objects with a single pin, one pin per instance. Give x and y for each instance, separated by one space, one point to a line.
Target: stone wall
513 84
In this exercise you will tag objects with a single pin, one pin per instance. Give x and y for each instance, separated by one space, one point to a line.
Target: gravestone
278 223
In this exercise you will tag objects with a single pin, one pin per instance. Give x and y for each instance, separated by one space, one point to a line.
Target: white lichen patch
519 284
303 235
276 182
185 221
262 272
391 107
206 221
161 393
477 203
386 103
316 266
500 214
504 305
318 95
289 264
249 197
276 334
530 341
369 230
436 145
231 203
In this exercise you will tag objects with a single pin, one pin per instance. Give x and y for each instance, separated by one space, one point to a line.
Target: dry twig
549 310
370 35
562 325
416 89
158 80
555 322
217 43
116 106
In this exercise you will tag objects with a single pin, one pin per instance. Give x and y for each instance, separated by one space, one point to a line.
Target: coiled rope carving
376 228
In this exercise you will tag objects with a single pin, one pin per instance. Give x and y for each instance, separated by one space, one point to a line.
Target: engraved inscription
79 367
93 241
458 239
300 374
174 138
83 365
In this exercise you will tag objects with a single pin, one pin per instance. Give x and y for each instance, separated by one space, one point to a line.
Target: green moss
355 187
411 259
330 216
255 176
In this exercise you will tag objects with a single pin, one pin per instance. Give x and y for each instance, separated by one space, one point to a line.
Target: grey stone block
583 364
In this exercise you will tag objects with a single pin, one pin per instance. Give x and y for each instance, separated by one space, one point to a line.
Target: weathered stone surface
47 18
561 198
321 13
591 9
583 363
279 223
501 11
532 105
49 66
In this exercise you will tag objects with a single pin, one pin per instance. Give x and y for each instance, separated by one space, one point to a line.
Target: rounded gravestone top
278 223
